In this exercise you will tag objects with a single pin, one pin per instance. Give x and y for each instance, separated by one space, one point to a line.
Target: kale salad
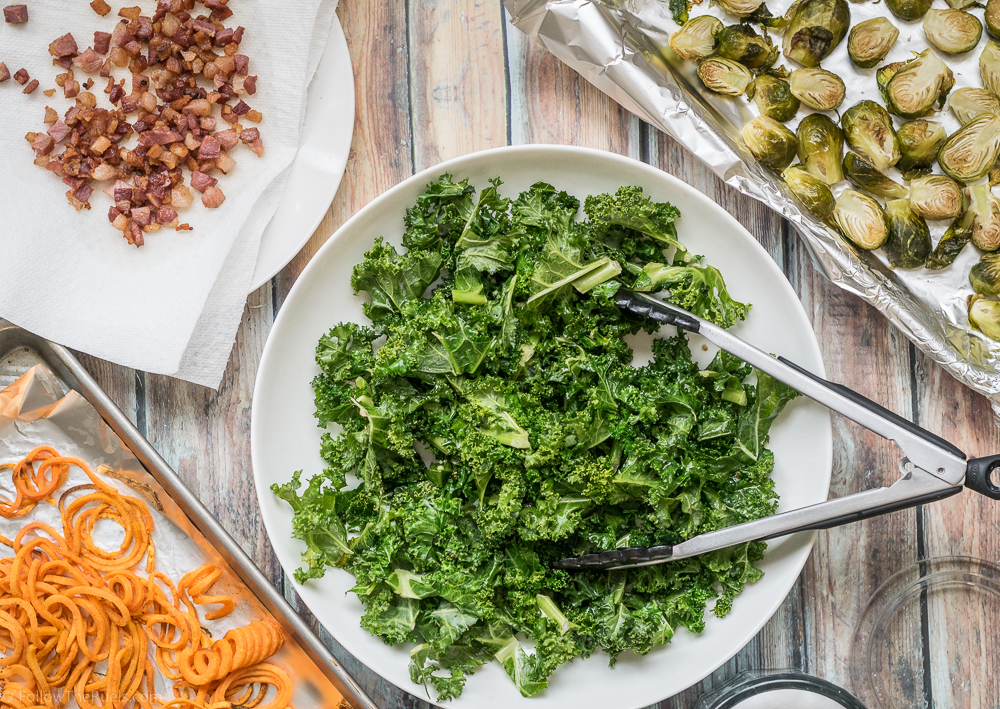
489 421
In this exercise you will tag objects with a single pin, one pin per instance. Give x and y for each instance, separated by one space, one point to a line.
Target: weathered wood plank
122 384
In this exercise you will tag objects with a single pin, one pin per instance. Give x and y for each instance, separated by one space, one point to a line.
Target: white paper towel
174 305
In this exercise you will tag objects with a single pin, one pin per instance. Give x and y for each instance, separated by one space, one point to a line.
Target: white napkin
174 305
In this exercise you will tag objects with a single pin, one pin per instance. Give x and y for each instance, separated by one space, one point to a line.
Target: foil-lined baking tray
48 398
620 46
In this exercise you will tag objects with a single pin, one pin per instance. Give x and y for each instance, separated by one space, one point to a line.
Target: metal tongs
931 470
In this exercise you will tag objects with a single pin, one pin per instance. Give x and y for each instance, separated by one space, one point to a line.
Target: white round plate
285 438
319 163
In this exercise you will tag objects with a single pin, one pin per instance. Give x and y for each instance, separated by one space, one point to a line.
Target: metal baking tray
20 350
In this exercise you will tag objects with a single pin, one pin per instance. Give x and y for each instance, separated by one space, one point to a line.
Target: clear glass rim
754 683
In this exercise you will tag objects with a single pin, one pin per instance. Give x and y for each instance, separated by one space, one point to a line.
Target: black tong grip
979 476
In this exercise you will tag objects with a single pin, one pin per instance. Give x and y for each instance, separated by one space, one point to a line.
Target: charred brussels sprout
913 90
919 141
908 9
724 76
992 17
773 97
952 31
984 315
817 88
909 242
884 74
812 192
814 28
863 174
861 219
936 197
868 129
985 275
986 218
770 142
741 8
989 67
696 38
951 244
820 147
961 4
741 44
970 152
870 41
968 103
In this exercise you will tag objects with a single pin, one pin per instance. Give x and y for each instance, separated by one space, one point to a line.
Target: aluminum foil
35 411
620 46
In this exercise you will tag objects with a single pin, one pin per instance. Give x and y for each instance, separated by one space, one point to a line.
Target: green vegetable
820 147
863 174
814 28
861 219
936 197
541 439
741 8
817 88
740 43
919 142
870 41
774 98
696 39
868 129
812 192
909 242
989 67
679 10
918 85
968 103
955 239
770 142
984 315
724 76
969 153
992 17
985 275
952 31
908 9
986 222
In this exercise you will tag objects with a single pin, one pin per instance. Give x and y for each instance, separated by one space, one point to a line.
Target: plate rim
302 285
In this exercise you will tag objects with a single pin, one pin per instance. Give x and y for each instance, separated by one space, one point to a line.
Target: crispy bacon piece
202 182
21 76
213 198
30 88
100 7
4 72
59 131
102 42
90 61
250 85
210 148
41 143
64 46
15 14
165 215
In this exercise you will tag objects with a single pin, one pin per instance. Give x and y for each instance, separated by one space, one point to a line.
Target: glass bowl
778 689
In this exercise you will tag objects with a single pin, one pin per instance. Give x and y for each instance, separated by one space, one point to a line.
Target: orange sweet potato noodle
67 606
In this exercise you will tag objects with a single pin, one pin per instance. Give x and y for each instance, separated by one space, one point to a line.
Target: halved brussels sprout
919 141
951 244
770 142
774 98
724 76
908 9
696 38
961 4
820 146
741 8
812 192
968 103
936 197
885 74
909 242
984 315
970 152
986 223
814 28
914 89
989 67
866 176
870 41
985 275
741 44
817 88
992 17
861 219
868 129
952 31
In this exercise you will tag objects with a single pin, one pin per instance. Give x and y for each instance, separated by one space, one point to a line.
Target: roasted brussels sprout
741 8
741 44
919 141
812 192
868 129
909 242
986 222
989 67
814 28
961 4
908 9
913 90
861 219
968 103
774 98
885 73
969 153
817 88
951 244
696 38
724 76
992 17
866 176
984 315
985 275
870 41
936 197
820 147
952 31
770 142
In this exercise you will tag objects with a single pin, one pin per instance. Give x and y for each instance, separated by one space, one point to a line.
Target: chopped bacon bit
213 198
241 108
209 149
250 85
225 163
59 131
165 215
83 192
50 115
130 13
141 216
249 135
30 88
49 92
90 61
242 64
21 76
4 72
15 14
64 46
102 42
135 237
254 116
41 143
100 7
89 83
71 88
100 145
183 227
201 182
103 171
76 203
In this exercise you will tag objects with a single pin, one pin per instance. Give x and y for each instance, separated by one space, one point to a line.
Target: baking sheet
618 46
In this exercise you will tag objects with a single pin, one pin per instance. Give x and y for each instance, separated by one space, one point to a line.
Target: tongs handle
979 476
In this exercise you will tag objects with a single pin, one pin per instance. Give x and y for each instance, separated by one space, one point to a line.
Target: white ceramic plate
319 164
284 436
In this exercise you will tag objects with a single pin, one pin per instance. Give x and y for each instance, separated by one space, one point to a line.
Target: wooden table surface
440 78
